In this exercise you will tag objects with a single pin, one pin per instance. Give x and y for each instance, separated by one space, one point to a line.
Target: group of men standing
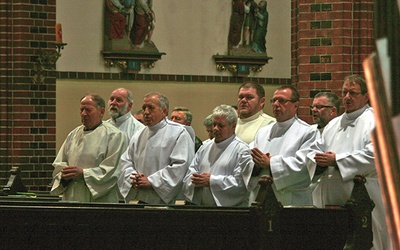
157 162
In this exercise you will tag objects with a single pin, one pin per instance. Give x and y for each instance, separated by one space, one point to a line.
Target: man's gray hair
129 95
333 99
226 111
188 114
208 121
100 103
359 80
163 100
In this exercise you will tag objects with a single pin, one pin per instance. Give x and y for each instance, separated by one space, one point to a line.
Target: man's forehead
219 118
249 89
176 112
87 101
349 85
151 99
118 93
321 99
88 105
283 92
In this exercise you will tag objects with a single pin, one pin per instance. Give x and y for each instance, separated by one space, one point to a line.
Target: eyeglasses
320 106
351 93
280 100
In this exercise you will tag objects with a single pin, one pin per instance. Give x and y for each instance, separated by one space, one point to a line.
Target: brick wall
330 39
27 109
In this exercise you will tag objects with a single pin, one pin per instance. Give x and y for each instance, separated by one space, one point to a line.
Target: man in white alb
86 167
280 149
157 157
251 100
221 168
325 107
120 105
344 151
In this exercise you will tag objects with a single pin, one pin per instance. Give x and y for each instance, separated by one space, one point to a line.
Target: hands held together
260 159
140 181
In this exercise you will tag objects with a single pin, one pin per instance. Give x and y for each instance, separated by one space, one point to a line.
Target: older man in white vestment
251 101
344 151
157 157
120 105
221 168
85 168
280 149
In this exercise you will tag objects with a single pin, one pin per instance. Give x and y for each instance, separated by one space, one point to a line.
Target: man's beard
120 112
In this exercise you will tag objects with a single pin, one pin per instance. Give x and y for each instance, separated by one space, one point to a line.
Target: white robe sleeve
102 178
316 147
127 168
58 164
188 187
167 181
290 171
228 187
357 162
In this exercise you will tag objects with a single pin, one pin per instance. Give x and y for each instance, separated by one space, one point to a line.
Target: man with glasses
280 149
325 107
345 150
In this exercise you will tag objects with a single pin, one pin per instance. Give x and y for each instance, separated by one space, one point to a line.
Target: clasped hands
140 181
201 180
325 159
71 172
260 159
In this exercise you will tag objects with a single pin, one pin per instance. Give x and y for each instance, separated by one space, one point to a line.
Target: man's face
222 130
282 107
117 104
248 102
91 115
152 113
322 111
210 132
353 99
179 117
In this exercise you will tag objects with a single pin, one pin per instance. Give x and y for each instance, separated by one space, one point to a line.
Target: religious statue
129 25
236 23
119 18
260 31
248 22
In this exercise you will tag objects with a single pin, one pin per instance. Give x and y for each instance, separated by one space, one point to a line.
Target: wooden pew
265 225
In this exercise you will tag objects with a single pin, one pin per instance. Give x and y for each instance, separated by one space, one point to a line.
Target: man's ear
164 111
130 105
102 111
262 101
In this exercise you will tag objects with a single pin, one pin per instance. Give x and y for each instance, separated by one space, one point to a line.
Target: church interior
54 52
